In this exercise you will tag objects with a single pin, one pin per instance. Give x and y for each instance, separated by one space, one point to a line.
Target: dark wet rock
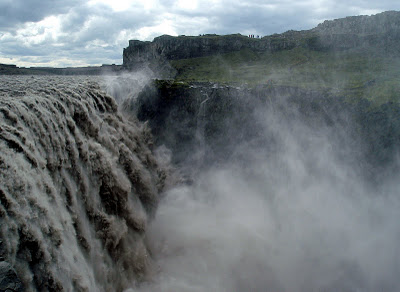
213 119
9 280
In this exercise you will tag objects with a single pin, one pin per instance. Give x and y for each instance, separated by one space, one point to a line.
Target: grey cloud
47 51
267 17
80 29
12 49
258 18
85 24
82 26
16 12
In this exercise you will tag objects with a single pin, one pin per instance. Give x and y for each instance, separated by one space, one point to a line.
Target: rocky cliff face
183 47
378 31
351 32
363 25
212 120
296 158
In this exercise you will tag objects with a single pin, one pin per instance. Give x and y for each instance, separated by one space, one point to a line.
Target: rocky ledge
346 33
212 119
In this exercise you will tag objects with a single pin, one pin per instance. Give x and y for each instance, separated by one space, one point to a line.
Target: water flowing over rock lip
79 185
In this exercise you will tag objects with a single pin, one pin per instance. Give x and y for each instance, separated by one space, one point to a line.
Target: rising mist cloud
294 216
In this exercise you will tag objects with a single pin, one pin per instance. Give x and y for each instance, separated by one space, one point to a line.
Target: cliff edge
381 30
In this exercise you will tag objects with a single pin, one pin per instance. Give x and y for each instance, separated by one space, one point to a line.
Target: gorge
218 163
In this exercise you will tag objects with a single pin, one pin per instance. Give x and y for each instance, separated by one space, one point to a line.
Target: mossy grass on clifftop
364 73
355 57
173 84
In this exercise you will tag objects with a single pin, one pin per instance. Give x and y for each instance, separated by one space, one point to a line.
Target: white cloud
37 32
187 4
165 27
65 28
116 5
369 11
123 5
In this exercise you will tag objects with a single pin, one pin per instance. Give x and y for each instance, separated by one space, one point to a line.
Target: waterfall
78 185
200 152
277 198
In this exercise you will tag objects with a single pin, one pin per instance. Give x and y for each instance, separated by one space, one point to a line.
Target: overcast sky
80 33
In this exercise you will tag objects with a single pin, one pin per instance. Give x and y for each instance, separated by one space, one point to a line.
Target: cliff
381 23
381 30
217 118
184 47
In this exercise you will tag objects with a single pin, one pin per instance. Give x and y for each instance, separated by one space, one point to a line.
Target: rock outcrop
9 280
346 33
212 119
380 30
183 47
363 25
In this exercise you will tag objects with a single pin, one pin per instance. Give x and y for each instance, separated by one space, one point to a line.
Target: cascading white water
78 184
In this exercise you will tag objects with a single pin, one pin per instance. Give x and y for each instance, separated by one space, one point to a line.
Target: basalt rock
381 30
9 280
211 120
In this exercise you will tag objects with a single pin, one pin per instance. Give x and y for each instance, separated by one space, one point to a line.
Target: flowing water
78 184
85 207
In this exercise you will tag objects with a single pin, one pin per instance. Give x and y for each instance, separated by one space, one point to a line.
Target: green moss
353 74
170 84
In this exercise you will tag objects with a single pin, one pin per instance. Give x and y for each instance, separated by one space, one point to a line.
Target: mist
291 209
126 85
242 189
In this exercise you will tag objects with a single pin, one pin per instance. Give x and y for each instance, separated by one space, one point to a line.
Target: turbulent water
80 189
78 184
